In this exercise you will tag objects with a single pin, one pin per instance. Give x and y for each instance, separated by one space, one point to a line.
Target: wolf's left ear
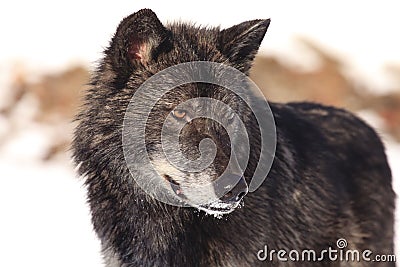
240 43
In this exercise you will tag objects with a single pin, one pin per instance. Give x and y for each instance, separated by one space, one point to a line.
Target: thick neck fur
134 228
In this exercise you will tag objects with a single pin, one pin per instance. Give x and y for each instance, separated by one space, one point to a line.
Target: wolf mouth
219 208
175 186
216 208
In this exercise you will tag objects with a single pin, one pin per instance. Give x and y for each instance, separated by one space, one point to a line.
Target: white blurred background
344 53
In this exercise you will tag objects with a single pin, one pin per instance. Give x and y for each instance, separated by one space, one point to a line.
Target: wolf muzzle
237 192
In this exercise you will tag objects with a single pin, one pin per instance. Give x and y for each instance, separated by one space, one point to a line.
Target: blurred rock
327 84
59 95
388 107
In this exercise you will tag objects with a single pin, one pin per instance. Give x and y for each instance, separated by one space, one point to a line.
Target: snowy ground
44 218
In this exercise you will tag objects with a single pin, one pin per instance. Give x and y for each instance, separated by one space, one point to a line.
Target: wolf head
142 47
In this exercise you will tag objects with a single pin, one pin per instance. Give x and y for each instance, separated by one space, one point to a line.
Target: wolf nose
237 192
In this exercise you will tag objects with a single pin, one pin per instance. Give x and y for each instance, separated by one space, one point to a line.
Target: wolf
329 178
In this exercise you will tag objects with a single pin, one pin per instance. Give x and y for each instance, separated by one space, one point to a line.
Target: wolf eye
179 113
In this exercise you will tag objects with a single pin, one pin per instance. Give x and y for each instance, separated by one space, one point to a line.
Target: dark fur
330 178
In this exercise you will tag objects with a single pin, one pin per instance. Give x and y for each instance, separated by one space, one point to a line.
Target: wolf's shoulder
336 125
320 114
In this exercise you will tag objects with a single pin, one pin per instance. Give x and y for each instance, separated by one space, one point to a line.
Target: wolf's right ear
139 38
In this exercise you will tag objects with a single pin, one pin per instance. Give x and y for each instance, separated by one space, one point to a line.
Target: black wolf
329 179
